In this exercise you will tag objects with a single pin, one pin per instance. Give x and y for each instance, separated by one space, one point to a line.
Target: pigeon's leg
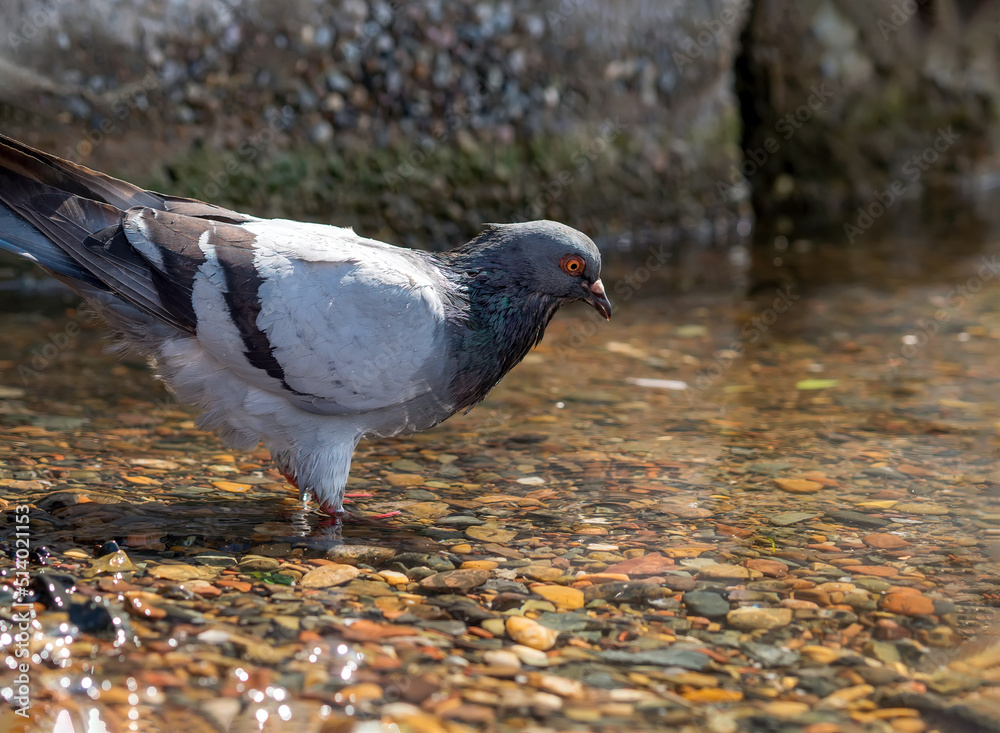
324 468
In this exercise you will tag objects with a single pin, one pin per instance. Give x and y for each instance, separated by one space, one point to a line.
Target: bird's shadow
176 528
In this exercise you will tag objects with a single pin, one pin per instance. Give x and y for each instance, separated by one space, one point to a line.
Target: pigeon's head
554 260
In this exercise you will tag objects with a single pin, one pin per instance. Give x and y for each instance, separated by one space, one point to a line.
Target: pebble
456 581
180 572
722 571
651 564
502 658
921 508
556 684
404 480
798 485
787 519
843 697
258 563
706 603
770 655
885 472
541 572
885 541
821 654
490 533
114 562
530 633
749 618
907 604
530 656
772 568
857 519
562 596
328 576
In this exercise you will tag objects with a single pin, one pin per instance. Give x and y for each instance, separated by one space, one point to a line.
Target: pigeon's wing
336 323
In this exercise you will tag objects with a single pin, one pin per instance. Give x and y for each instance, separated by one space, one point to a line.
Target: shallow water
823 451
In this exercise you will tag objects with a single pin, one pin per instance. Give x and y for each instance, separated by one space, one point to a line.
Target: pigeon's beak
594 294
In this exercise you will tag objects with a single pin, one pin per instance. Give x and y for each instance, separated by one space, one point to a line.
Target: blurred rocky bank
415 121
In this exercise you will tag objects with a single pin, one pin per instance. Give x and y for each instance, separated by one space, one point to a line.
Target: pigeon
306 337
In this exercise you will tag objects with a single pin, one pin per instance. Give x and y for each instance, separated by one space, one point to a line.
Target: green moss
435 197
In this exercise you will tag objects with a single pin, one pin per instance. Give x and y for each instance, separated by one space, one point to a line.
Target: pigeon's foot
339 516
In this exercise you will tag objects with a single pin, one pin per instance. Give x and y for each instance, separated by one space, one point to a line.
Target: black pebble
108 548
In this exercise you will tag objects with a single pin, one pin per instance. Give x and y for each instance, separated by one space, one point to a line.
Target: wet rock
752 619
636 592
455 581
774 568
541 572
54 590
562 596
415 559
452 628
921 508
107 548
651 564
907 604
93 617
505 586
857 519
677 655
873 585
116 562
568 622
258 563
502 658
786 519
215 560
723 571
328 576
490 533
706 603
404 480
373 555
530 633
461 520
798 485
683 510
180 572
885 472
885 541
770 655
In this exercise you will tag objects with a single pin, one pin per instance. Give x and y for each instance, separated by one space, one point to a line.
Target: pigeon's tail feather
20 238
73 179
70 220
54 212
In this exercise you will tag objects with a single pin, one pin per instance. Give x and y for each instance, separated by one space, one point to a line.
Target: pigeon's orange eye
573 264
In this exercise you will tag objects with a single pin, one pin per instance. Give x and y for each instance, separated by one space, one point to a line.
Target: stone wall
413 120
638 120
852 104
